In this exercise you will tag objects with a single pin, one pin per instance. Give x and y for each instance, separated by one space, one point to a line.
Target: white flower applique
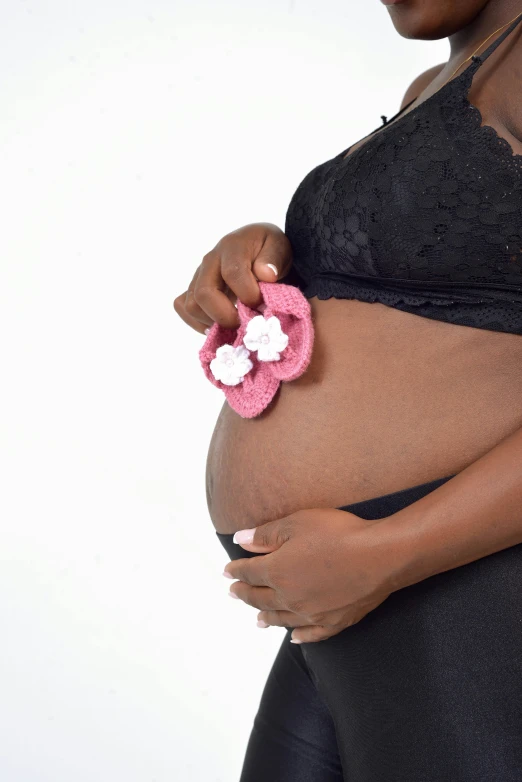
231 364
266 336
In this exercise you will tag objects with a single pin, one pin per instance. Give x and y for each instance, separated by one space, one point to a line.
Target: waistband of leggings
372 509
380 507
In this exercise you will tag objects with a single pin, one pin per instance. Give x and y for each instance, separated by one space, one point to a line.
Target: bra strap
484 56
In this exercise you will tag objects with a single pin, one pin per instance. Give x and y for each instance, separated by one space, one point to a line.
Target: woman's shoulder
420 83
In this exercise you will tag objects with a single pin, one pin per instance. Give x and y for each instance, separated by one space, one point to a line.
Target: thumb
265 538
274 260
266 269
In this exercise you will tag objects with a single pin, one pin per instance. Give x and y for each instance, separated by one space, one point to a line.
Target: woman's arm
476 513
325 569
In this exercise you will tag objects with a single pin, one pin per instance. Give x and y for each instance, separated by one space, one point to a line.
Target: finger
191 305
266 537
187 308
265 271
231 295
308 635
194 310
179 307
210 293
252 571
274 253
263 598
281 619
236 270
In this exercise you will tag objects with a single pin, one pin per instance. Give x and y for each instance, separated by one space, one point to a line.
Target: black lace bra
425 217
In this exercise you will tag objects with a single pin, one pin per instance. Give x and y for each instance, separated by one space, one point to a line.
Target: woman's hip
427 687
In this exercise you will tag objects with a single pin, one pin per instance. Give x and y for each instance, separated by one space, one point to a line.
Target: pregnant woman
377 500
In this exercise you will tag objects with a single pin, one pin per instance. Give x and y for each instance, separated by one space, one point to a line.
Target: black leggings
426 688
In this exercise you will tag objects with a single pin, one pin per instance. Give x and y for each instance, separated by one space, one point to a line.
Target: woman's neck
494 15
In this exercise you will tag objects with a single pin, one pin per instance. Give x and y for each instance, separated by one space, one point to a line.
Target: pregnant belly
389 400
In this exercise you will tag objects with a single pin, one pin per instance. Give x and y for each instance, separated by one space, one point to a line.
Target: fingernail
244 536
207 330
227 574
295 641
233 595
274 268
260 623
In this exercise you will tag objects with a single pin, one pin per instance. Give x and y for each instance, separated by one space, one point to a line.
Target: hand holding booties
272 344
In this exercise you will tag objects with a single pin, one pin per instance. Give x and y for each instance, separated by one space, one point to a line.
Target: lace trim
492 316
423 216
328 288
476 119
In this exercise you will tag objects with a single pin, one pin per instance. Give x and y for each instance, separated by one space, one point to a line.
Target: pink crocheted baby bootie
272 344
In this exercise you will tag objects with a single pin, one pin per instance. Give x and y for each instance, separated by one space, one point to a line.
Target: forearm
474 514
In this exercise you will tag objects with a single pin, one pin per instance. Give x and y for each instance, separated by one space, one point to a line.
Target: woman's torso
390 400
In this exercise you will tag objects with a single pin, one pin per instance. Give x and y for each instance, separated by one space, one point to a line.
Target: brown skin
430 20
230 271
389 400
467 24
330 568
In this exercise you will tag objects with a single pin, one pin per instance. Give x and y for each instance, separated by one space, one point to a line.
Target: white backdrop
135 134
